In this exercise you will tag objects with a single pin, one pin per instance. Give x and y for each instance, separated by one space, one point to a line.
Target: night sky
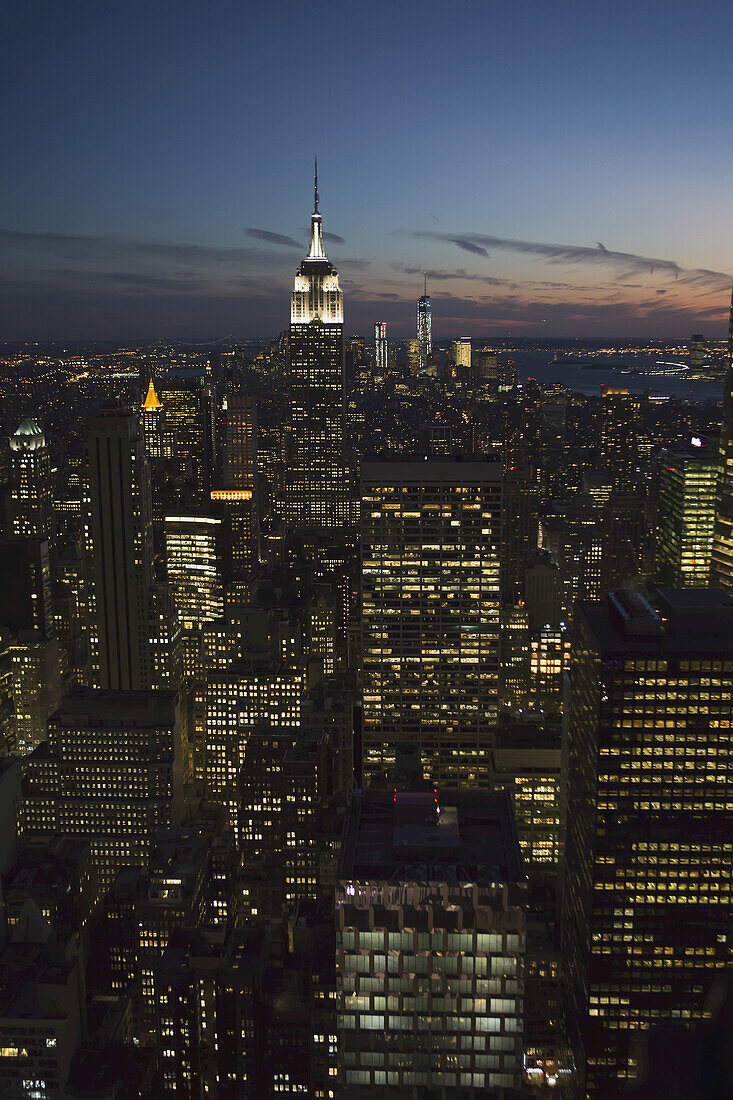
559 168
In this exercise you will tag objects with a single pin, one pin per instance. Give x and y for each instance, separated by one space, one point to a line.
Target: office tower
626 556
285 783
428 1001
620 415
143 908
688 482
721 569
430 614
380 347
573 535
187 443
696 350
119 552
487 364
240 443
112 771
412 350
246 695
316 493
30 483
460 352
151 421
508 375
520 529
197 568
646 909
33 679
424 329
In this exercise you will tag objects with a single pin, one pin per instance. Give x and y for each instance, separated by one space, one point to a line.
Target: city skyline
566 182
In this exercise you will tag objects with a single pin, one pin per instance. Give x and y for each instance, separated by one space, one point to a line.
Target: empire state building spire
316 249
316 293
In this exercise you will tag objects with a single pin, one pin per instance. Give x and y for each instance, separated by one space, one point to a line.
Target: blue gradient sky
142 141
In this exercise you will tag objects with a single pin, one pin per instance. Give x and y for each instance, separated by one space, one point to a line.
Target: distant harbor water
588 376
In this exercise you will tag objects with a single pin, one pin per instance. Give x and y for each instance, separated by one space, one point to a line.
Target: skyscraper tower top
316 294
316 251
151 402
28 437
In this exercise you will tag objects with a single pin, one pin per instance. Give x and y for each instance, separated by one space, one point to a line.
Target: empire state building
316 493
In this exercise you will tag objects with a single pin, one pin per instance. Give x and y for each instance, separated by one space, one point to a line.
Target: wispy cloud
625 263
273 238
333 238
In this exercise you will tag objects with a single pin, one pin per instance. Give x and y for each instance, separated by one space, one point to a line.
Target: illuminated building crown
316 294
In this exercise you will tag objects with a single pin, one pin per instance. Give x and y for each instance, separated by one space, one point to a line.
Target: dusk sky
559 168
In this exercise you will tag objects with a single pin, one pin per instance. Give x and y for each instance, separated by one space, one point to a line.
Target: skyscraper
119 552
30 487
430 941
722 555
647 897
620 413
187 441
460 352
380 346
430 614
113 770
424 327
152 423
688 480
316 493
240 443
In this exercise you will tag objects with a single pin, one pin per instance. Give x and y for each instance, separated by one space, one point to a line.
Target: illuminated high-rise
380 347
424 328
460 352
30 482
722 555
197 566
688 481
430 943
316 492
430 614
647 897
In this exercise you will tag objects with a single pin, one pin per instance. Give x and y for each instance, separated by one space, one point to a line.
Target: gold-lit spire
151 402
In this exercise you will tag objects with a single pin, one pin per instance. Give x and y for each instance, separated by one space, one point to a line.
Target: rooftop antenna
426 283
315 179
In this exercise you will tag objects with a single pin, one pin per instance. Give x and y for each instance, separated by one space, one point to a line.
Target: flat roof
693 621
117 708
431 469
430 836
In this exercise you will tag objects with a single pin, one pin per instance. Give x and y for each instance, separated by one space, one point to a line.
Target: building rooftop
676 621
430 836
117 708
